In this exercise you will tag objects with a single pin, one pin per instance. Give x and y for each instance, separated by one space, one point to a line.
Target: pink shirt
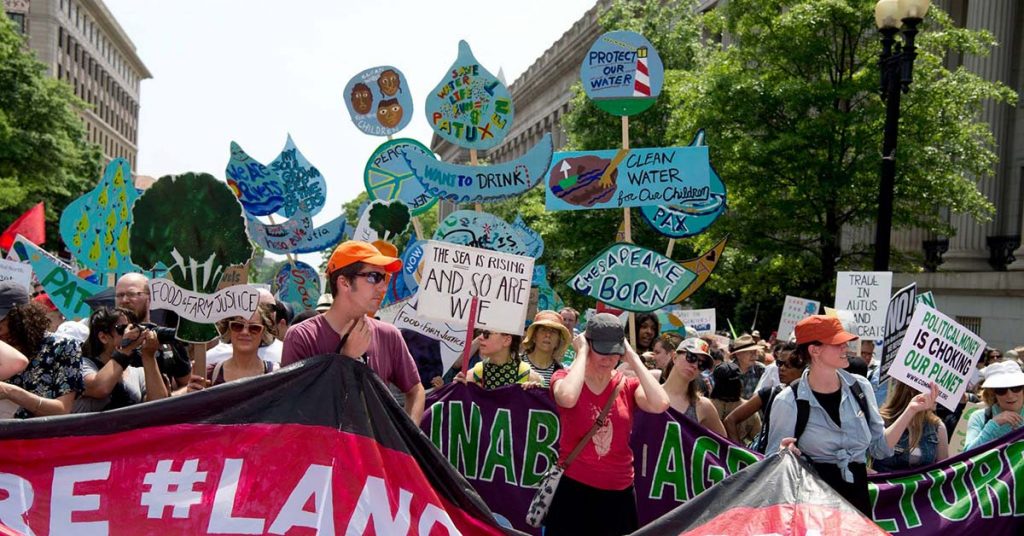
606 462
387 355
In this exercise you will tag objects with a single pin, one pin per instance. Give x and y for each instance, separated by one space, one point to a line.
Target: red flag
31 225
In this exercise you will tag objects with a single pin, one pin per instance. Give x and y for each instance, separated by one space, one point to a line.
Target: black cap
604 334
11 295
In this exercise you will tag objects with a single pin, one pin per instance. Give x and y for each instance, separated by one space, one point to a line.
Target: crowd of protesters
812 394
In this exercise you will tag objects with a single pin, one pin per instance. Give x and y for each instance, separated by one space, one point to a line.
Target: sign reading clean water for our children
937 349
866 295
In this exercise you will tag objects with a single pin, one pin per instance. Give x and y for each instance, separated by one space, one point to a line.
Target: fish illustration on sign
691 217
485 231
633 278
622 73
298 235
96 226
470 107
389 177
256 186
463 184
378 100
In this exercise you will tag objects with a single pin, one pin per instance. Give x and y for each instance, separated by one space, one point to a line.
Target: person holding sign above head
245 338
595 496
684 381
500 365
1003 394
545 343
830 416
357 275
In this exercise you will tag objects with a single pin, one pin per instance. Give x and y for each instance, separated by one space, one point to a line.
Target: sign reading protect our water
629 178
379 101
689 218
95 227
632 278
865 295
470 107
464 184
388 176
937 350
622 73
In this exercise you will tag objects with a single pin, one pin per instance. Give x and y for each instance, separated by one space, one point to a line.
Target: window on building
19 21
972 323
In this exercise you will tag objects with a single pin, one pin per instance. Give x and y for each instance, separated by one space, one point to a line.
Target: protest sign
67 291
298 283
689 218
926 298
793 311
236 274
257 187
95 226
379 101
533 241
958 438
451 337
849 324
382 220
937 349
622 73
483 230
304 188
701 320
865 294
387 175
470 107
298 235
632 278
897 320
18 272
453 275
628 178
236 300
467 183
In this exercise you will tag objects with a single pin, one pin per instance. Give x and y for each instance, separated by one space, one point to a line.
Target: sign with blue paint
470 107
404 285
690 218
256 186
482 230
465 184
298 235
532 239
632 278
305 189
379 101
628 178
622 73
95 227
298 284
67 291
388 176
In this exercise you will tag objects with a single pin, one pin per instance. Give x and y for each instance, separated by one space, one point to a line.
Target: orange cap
355 251
822 329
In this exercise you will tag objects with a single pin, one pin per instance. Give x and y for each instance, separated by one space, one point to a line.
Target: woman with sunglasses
1003 393
245 337
683 384
500 365
110 380
922 443
790 367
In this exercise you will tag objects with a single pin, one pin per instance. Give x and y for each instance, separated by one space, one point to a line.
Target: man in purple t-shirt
357 277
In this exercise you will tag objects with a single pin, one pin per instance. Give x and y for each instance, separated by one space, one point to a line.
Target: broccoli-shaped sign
193 224
95 226
389 219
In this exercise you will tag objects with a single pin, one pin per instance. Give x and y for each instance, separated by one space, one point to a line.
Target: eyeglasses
237 326
129 295
697 359
485 333
1000 391
373 278
120 328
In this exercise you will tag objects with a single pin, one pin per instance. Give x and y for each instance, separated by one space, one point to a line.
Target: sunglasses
485 333
1000 391
237 326
120 328
372 277
702 362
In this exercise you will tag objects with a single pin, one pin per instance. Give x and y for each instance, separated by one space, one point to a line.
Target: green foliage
389 220
44 155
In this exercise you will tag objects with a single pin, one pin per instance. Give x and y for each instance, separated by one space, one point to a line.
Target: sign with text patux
453 275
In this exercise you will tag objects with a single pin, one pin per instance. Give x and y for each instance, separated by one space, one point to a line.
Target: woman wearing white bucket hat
1003 393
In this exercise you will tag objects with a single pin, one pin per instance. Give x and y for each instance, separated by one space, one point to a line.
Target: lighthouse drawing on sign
642 80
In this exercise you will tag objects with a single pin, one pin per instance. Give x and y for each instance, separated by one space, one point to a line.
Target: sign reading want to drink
866 295
937 349
453 275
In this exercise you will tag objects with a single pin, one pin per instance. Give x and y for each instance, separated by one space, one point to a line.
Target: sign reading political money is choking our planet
379 101
388 177
865 295
937 350
453 275
622 73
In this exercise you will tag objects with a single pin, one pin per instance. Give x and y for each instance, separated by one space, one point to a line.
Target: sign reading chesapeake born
632 278
622 73
453 275
237 300
629 178
937 349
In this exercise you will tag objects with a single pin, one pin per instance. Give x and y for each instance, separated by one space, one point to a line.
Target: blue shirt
980 431
823 441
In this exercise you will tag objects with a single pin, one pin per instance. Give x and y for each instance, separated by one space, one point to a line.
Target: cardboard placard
622 73
237 300
451 337
298 284
793 311
379 101
701 320
689 218
897 320
382 220
67 291
95 226
305 189
257 187
454 274
613 178
405 283
388 176
632 278
937 349
866 296
483 230
298 235
18 272
959 437
533 241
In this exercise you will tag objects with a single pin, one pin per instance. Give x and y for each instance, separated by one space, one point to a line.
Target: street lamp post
896 63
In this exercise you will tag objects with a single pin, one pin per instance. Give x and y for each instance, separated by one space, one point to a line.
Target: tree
44 155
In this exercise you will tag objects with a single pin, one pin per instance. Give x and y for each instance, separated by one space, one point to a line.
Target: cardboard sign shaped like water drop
305 189
257 187
470 107
622 73
379 101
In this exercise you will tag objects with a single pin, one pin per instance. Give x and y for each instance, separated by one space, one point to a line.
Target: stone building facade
979 272
82 44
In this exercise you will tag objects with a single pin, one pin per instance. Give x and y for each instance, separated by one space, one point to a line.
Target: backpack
760 442
803 407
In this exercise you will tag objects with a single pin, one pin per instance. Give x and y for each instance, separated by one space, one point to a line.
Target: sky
254 71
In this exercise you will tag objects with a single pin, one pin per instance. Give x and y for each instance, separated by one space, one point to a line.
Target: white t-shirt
222 352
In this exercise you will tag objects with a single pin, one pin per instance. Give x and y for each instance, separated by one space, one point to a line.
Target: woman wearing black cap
600 477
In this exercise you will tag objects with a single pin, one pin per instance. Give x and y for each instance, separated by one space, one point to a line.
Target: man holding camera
132 293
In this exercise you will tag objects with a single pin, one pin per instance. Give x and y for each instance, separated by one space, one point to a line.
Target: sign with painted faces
379 101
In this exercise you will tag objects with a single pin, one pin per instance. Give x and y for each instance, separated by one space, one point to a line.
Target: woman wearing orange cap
831 417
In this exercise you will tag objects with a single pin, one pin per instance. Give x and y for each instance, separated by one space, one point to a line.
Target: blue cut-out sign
689 218
388 176
628 178
533 240
67 291
622 73
305 189
298 284
298 235
632 278
404 284
379 101
463 184
256 186
470 107
482 230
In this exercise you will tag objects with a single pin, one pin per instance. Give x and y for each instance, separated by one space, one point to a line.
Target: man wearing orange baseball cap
357 276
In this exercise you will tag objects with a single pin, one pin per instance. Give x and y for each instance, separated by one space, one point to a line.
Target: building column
968 250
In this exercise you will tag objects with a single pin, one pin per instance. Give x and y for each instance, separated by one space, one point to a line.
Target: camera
164 335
